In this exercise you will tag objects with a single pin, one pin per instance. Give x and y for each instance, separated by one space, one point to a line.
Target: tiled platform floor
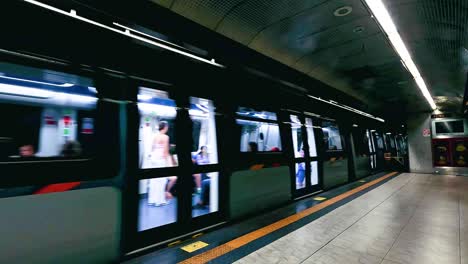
413 218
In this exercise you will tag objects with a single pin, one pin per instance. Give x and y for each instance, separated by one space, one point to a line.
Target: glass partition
259 136
204 148
157 129
296 131
311 137
45 114
251 113
331 136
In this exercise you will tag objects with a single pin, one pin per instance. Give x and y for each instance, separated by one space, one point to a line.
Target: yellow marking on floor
174 243
197 235
254 235
319 198
194 246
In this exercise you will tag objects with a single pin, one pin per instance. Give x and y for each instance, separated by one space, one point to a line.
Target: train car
106 153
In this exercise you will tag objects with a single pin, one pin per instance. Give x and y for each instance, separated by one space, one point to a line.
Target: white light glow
347 108
354 125
36 82
10 89
160 110
197 113
124 32
383 17
144 97
16 90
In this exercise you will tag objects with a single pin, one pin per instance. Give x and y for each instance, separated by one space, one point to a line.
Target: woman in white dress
158 193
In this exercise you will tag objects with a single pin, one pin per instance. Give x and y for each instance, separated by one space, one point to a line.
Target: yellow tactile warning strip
247 238
319 198
194 246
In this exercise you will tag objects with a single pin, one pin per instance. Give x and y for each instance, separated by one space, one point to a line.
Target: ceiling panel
349 52
209 13
436 33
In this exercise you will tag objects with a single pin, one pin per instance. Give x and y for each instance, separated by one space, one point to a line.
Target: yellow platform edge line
254 235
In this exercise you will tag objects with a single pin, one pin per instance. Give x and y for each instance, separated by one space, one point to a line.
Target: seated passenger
26 151
205 195
253 147
275 164
201 158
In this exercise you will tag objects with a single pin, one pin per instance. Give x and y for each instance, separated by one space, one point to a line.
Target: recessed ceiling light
343 11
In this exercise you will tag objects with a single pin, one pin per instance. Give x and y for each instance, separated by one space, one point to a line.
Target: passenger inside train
158 196
48 112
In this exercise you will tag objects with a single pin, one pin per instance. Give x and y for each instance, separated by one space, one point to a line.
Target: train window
369 141
204 149
296 130
205 195
45 114
157 130
331 136
300 175
361 143
311 137
157 203
249 112
259 136
314 173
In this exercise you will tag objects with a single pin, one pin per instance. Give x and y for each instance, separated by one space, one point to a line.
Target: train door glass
335 166
305 154
372 155
298 144
314 180
362 157
158 195
379 147
205 195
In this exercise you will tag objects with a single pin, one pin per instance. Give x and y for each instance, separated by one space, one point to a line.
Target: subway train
108 152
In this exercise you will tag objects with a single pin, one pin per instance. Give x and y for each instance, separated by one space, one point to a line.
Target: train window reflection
300 175
311 137
249 112
361 143
205 197
296 131
314 173
157 203
331 136
259 136
204 149
45 114
156 133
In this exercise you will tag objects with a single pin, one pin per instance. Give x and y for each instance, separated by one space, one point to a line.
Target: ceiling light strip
126 32
348 108
380 12
37 82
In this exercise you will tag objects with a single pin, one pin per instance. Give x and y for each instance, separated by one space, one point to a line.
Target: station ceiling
339 43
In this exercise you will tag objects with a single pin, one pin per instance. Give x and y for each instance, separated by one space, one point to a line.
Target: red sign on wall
426 132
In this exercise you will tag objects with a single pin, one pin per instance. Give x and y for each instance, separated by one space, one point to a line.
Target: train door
176 188
362 158
335 161
305 169
379 146
371 145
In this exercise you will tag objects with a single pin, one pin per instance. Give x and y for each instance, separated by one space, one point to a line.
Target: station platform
389 218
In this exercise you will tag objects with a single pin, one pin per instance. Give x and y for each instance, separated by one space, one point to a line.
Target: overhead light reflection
384 19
